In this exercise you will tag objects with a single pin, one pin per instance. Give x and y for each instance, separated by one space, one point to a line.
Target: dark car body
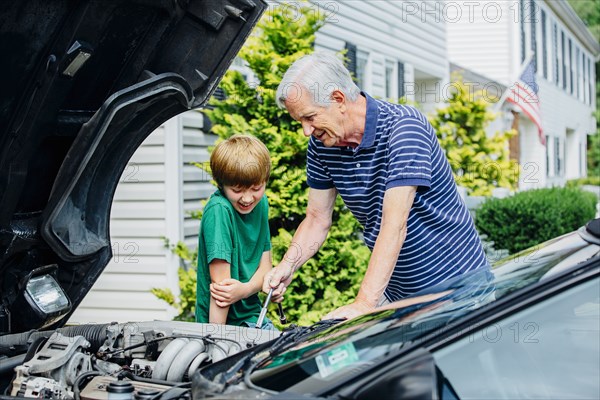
530 329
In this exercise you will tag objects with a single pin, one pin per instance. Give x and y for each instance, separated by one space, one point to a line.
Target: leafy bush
331 278
185 304
479 162
590 180
532 217
593 153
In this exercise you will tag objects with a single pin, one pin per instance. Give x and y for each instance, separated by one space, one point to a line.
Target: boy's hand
228 291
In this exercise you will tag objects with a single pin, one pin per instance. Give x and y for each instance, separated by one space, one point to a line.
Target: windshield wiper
232 370
289 338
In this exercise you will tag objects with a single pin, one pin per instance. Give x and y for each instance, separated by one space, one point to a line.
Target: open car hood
83 84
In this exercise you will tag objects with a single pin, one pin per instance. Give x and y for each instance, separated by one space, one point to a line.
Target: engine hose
79 381
17 342
181 363
95 334
9 364
167 356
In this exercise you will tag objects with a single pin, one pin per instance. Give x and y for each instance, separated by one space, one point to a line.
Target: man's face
244 199
324 123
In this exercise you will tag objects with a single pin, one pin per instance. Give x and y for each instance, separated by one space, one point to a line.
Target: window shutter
555 47
351 58
400 79
522 28
219 94
532 23
544 46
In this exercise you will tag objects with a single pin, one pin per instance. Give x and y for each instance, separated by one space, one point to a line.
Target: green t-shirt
239 239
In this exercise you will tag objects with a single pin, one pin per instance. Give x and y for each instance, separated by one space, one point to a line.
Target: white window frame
366 81
393 83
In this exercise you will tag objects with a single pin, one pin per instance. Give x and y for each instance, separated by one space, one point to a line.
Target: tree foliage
479 162
589 12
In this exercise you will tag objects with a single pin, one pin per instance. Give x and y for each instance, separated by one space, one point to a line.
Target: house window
350 58
590 82
522 26
583 78
391 88
577 74
564 60
571 64
544 47
400 79
533 43
555 51
362 59
558 157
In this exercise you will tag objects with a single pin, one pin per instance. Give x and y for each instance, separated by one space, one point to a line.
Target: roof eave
563 10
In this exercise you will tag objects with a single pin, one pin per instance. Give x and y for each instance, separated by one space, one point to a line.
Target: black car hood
83 84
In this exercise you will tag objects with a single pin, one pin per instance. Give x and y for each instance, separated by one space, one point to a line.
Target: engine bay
141 360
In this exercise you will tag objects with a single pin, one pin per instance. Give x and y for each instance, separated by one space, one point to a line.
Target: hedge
531 217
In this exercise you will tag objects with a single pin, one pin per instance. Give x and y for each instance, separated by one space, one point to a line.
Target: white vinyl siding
483 42
415 37
196 181
369 25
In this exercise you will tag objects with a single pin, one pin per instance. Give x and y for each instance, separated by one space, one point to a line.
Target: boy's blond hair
241 160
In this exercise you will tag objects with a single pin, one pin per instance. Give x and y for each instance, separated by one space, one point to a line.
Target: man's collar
368 138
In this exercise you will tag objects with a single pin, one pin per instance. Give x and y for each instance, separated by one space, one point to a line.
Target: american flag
524 94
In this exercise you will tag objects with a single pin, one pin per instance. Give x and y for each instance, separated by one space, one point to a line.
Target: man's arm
307 240
219 271
397 203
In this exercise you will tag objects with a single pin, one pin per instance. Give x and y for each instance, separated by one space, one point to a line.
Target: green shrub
528 218
185 303
590 180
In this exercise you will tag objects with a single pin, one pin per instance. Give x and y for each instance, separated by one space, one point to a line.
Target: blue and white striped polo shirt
399 148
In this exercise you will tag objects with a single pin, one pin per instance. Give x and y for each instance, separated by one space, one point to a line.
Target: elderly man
387 165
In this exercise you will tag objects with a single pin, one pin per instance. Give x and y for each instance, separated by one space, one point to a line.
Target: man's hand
228 291
279 278
350 311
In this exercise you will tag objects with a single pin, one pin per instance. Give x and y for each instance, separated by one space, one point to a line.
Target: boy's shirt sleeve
265 222
218 234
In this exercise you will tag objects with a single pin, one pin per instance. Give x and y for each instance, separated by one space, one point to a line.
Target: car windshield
345 349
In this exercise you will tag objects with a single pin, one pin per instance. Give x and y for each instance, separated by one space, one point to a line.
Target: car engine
141 360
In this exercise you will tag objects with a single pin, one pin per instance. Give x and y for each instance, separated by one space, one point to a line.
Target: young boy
234 252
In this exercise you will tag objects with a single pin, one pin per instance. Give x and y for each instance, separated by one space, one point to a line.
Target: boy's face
244 199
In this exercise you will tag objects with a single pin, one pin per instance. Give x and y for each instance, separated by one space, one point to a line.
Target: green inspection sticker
336 359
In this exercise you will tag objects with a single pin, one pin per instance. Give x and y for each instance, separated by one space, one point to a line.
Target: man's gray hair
320 73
